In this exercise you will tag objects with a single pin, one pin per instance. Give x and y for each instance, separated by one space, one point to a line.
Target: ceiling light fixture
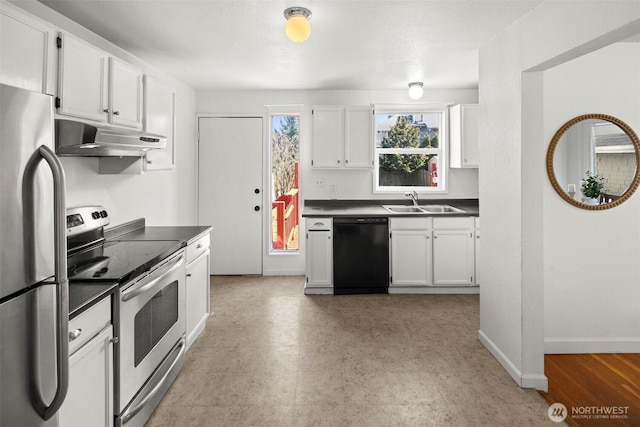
298 27
415 90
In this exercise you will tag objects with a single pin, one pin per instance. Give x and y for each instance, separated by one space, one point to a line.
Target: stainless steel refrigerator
34 310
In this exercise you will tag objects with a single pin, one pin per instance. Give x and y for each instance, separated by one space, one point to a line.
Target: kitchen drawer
89 324
422 223
319 224
198 247
451 222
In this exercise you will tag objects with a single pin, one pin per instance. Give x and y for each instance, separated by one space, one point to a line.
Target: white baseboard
537 381
281 272
318 291
434 290
591 345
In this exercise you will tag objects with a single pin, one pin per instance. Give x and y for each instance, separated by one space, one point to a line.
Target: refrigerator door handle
60 267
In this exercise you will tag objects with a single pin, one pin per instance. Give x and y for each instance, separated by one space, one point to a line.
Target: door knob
257 191
257 208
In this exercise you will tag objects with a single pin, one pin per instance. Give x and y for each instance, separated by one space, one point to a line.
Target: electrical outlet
319 182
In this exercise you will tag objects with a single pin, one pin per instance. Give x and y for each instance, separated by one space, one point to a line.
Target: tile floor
271 356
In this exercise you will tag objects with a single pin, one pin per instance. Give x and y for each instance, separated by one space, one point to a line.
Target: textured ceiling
354 44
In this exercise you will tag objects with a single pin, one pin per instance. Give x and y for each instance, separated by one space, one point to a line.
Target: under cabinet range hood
82 139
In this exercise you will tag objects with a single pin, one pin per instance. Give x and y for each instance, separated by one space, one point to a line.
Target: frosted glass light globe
298 28
415 90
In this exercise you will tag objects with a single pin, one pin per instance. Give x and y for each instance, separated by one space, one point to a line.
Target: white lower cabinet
198 301
89 400
319 255
411 252
453 251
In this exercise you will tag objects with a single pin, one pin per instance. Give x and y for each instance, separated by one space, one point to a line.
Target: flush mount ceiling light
415 90
298 27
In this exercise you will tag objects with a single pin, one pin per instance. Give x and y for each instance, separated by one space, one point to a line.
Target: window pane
416 130
285 143
408 170
408 149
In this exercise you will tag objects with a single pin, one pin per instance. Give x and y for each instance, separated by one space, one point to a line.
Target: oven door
152 321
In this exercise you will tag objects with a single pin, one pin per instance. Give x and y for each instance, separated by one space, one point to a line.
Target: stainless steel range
149 317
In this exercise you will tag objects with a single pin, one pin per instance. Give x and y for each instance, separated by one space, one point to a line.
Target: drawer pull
74 334
199 246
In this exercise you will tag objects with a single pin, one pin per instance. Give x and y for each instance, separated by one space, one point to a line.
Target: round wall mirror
593 161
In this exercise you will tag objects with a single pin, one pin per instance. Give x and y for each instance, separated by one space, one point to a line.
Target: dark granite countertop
350 208
84 295
181 233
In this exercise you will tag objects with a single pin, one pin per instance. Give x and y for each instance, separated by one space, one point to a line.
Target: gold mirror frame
554 143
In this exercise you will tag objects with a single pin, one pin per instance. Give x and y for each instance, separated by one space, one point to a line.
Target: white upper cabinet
27 50
327 137
92 85
463 136
82 79
358 139
342 137
125 94
159 118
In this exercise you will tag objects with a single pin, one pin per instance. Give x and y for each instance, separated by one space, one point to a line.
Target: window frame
277 111
441 152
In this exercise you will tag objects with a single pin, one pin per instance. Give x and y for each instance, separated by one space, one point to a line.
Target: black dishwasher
360 255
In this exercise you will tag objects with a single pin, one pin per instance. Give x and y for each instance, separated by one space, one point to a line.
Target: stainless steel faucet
413 195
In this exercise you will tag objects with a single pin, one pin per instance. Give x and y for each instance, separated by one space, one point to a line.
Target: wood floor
596 389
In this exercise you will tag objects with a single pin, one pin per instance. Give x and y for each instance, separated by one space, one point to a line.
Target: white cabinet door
358 139
463 134
82 79
27 48
453 260
89 400
327 137
125 94
159 118
477 257
197 296
477 250
319 261
411 257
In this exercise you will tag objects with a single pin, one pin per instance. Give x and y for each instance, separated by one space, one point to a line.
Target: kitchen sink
424 209
441 209
403 209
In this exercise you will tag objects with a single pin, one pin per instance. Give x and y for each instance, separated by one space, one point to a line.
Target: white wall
349 184
592 274
513 177
163 198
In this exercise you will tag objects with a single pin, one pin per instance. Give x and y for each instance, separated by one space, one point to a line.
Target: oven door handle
135 291
140 402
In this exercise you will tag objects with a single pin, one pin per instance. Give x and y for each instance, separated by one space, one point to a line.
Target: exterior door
230 192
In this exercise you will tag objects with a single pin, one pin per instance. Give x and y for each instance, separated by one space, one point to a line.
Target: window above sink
410 146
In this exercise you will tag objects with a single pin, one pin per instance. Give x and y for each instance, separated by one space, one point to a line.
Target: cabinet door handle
188 274
114 340
74 334
116 113
106 110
